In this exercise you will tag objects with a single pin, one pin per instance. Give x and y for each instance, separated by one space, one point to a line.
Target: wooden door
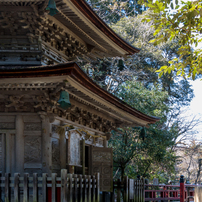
101 161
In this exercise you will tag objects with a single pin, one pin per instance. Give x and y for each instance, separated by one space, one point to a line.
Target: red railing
180 192
168 192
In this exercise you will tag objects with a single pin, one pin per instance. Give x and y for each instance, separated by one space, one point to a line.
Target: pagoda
52 115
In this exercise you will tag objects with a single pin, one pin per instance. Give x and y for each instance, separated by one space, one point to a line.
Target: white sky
196 104
195 107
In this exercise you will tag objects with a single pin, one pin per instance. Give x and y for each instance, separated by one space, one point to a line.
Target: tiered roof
79 86
75 30
30 37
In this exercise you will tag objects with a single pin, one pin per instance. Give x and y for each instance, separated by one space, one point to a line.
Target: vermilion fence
130 190
168 192
182 192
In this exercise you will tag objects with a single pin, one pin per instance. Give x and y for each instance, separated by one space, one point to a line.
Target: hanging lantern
52 7
143 133
120 65
64 100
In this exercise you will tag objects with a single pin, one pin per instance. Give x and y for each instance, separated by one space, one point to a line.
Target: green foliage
149 101
134 80
112 11
109 73
181 21
138 150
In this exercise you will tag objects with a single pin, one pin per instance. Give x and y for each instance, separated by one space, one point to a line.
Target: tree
111 11
188 161
134 80
110 73
180 20
138 150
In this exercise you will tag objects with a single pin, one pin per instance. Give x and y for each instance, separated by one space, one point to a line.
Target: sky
195 107
196 104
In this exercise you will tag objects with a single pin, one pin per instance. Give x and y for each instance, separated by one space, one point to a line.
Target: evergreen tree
111 11
135 81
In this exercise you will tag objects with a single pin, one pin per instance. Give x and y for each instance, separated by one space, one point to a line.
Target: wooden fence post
26 188
143 190
125 189
119 190
54 192
0 186
98 187
138 188
16 187
135 191
89 188
44 187
63 185
130 190
93 188
35 187
113 192
75 199
146 194
80 188
182 190
70 190
85 188
7 188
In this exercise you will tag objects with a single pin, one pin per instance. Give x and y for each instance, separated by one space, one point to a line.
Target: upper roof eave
74 71
87 11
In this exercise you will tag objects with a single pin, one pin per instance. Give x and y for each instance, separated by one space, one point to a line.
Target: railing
85 188
182 192
128 190
168 192
66 188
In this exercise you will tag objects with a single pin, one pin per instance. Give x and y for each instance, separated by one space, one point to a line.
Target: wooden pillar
105 143
83 156
19 164
63 152
10 153
46 144
12 148
3 153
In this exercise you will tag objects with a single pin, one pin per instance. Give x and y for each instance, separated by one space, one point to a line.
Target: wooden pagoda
39 45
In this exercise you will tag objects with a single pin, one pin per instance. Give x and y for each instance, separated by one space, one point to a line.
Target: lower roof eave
73 71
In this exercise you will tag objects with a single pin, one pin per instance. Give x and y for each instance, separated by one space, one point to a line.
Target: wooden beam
16 8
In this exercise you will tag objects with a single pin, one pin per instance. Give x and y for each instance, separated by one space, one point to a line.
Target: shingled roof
74 30
82 83
80 13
